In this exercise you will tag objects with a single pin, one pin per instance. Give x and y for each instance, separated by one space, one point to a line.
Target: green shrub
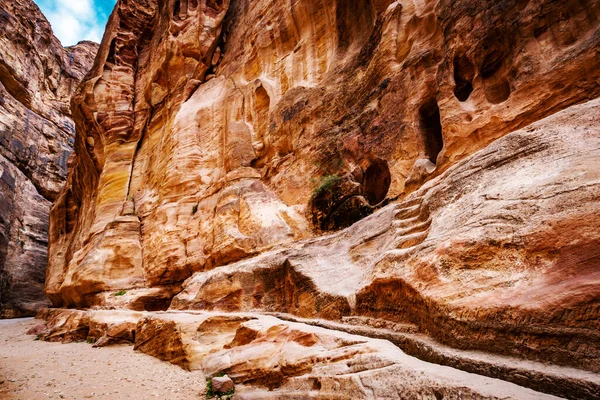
209 391
121 293
327 183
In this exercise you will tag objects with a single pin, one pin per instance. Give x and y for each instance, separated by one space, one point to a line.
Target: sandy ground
31 369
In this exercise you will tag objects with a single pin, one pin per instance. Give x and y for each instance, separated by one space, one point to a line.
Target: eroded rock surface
219 144
267 357
212 132
500 253
37 78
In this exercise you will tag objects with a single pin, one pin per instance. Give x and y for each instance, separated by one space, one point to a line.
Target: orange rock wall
208 129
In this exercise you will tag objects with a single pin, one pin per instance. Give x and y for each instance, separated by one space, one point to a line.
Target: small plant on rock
327 184
121 293
209 390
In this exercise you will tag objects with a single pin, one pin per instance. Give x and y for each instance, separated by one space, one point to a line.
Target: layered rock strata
504 262
270 358
220 143
211 132
37 79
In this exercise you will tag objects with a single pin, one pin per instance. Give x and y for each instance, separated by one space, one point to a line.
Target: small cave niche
260 121
111 57
262 104
491 63
376 183
498 91
177 9
431 127
464 72
496 86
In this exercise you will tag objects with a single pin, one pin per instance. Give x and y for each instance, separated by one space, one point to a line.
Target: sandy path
32 369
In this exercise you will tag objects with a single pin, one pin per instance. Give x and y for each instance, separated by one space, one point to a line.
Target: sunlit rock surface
37 78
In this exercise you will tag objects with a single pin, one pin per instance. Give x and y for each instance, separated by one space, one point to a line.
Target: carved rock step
408 212
411 240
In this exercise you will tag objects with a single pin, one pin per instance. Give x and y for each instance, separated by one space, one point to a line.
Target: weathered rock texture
270 358
37 79
219 142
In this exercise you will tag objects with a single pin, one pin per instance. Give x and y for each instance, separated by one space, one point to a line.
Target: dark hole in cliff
354 21
151 304
492 63
110 59
464 72
431 127
176 9
377 182
347 213
316 384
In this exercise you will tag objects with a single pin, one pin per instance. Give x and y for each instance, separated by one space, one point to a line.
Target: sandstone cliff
423 167
37 78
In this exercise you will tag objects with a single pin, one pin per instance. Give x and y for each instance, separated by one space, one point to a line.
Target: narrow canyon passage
325 199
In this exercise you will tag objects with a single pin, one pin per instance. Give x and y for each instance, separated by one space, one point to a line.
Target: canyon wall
431 165
37 78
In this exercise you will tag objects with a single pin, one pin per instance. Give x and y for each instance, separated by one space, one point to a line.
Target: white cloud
77 8
74 20
66 27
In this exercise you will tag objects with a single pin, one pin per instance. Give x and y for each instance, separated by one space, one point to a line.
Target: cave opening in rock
111 57
176 9
492 62
464 72
262 104
377 180
431 126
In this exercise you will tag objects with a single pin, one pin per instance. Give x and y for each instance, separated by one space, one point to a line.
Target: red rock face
37 78
225 141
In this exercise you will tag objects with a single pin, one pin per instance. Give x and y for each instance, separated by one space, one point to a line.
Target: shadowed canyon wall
430 163
37 78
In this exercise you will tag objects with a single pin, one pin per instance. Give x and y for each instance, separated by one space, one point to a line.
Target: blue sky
76 20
